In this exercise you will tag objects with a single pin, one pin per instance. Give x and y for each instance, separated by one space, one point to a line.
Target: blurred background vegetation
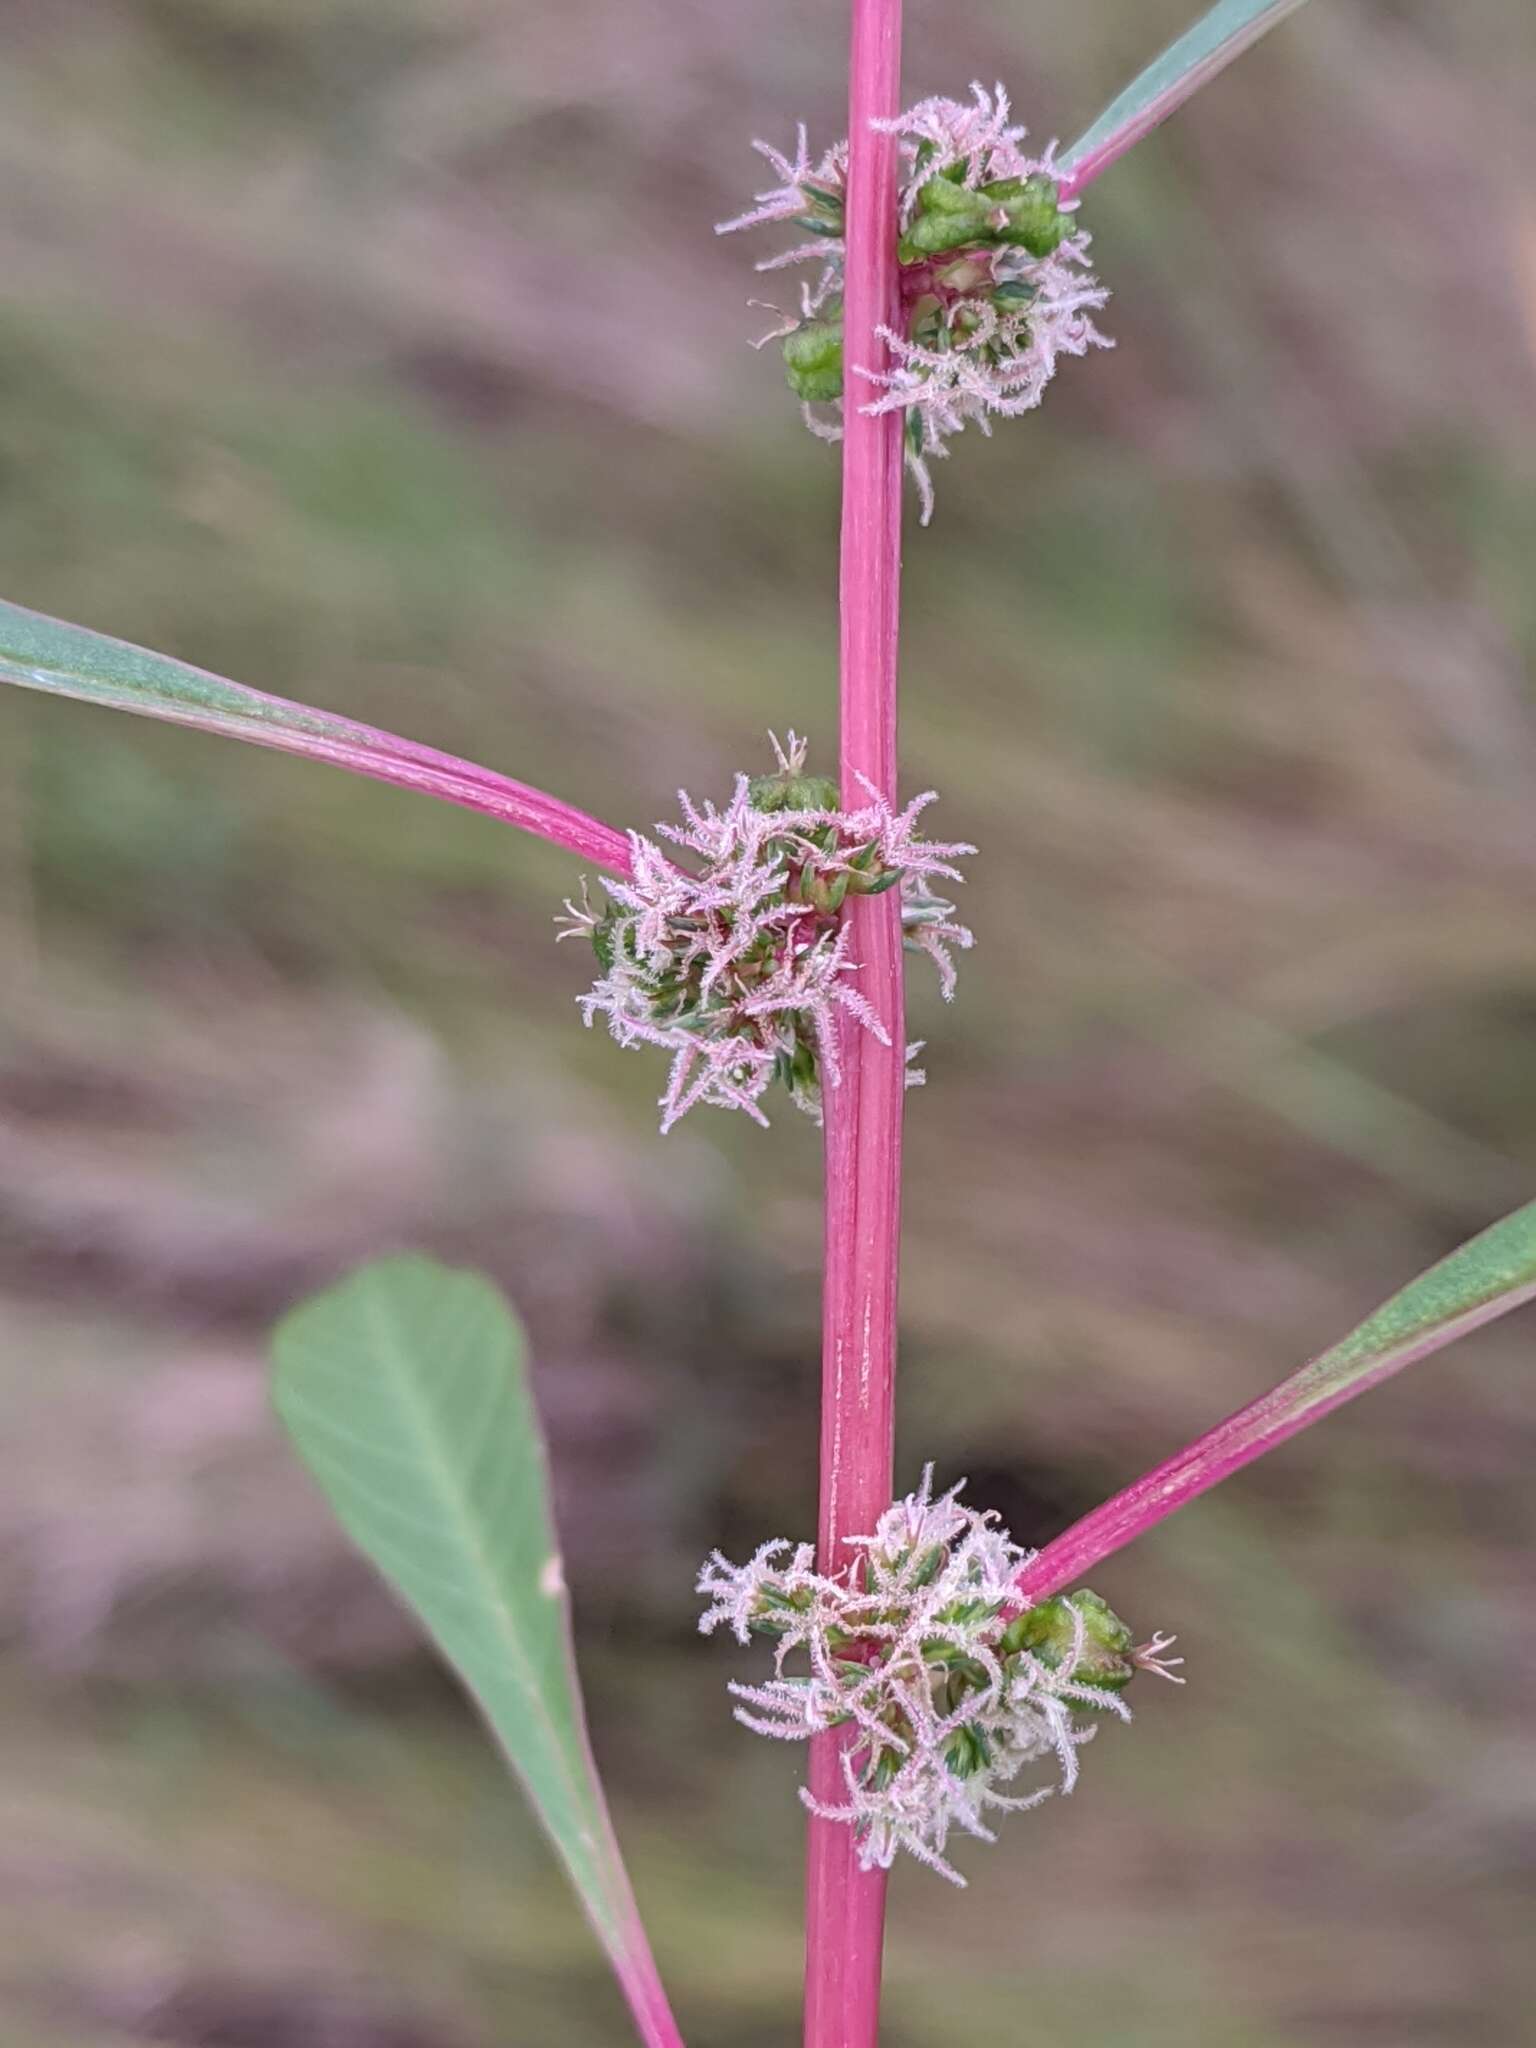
379 352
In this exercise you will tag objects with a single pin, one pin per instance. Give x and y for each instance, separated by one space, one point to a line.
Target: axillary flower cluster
738 964
994 273
918 1648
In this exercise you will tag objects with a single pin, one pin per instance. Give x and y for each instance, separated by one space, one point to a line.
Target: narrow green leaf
1230 27
405 1391
1481 1280
38 653
1484 1278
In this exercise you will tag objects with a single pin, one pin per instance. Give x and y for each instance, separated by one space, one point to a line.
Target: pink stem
1113 133
845 1906
622 1933
641 1984
1072 184
1299 1401
408 765
120 677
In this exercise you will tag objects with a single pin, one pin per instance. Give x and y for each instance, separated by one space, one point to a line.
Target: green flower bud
882 1770
797 1070
962 1612
929 1564
776 1612
967 1752
824 892
813 360
827 205
875 884
603 937
826 214
1049 1631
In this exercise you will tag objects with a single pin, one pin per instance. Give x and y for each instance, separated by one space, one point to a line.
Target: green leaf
38 653
1483 1279
1486 1277
1230 27
406 1393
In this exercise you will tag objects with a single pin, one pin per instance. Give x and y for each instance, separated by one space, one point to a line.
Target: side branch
61 660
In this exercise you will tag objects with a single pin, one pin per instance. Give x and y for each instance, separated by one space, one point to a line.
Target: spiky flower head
738 962
995 277
911 1647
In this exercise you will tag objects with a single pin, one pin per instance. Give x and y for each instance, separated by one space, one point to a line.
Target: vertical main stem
845 1906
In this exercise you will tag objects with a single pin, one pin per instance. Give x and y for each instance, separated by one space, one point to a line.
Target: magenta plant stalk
1306 1396
845 1906
1216 40
640 1982
61 660
399 1446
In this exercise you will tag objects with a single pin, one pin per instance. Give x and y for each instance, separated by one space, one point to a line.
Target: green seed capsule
785 791
932 238
1049 1631
946 194
949 215
813 361
1035 219
934 234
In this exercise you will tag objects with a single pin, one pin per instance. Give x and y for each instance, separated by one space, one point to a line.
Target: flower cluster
994 270
739 966
912 1648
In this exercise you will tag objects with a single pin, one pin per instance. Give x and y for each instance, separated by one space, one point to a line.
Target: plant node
739 966
994 271
911 1648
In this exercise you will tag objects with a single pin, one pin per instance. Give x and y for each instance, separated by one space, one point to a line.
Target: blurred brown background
379 352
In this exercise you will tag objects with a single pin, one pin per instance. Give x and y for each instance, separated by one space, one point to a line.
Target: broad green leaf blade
1230 27
405 1391
38 653
1483 1279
